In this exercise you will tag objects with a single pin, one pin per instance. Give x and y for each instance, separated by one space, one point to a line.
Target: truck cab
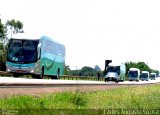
115 72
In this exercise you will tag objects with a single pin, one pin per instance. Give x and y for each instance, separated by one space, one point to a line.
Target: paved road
6 81
10 86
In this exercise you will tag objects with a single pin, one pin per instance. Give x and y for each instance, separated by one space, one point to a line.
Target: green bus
36 55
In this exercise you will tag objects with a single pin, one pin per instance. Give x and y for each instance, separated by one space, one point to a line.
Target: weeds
143 97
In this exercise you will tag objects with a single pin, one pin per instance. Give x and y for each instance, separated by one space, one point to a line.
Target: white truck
153 76
134 74
144 75
115 72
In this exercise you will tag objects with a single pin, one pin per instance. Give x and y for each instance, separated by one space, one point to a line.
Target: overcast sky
93 30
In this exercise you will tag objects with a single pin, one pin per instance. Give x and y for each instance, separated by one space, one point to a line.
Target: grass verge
140 97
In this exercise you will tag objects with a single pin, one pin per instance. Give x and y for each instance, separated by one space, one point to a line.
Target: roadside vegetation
138 97
10 27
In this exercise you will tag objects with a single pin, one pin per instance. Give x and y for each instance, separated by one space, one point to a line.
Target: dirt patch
7 92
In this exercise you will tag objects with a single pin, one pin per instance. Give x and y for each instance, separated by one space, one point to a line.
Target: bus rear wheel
42 73
58 73
57 76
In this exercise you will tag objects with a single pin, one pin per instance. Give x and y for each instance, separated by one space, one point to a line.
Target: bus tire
53 77
42 73
56 76
15 75
35 76
58 73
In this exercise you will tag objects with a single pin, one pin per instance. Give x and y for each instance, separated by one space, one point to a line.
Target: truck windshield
144 75
22 51
114 69
133 73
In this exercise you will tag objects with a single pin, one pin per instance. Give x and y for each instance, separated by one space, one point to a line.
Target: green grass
140 97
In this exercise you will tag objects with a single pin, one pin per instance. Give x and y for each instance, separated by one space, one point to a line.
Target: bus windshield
133 73
144 75
152 76
114 69
22 51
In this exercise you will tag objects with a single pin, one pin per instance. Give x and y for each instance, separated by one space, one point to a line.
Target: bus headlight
8 70
32 71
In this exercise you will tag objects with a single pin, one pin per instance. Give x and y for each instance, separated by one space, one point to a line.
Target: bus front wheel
35 76
16 75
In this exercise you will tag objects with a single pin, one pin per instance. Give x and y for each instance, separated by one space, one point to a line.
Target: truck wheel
105 79
117 81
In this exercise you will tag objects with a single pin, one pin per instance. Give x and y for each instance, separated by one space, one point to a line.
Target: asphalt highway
11 81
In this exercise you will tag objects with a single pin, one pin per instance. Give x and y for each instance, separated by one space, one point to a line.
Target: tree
12 24
15 26
143 66
2 51
2 31
19 27
88 71
97 68
75 72
67 70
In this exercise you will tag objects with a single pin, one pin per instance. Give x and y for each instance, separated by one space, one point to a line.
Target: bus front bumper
20 70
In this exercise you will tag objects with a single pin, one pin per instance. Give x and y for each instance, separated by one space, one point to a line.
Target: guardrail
82 78
3 73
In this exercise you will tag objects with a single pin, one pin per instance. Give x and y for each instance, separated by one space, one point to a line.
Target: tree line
15 26
92 72
140 65
84 71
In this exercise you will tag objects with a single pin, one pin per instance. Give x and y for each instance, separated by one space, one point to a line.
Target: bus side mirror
39 51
